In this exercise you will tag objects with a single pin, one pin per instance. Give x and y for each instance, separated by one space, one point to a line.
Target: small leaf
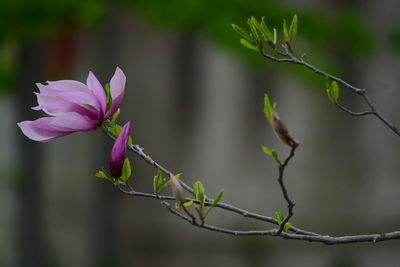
126 171
103 175
254 25
245 43
242 33
279 217
266 150
108 96
268 108
265 31
287 226
114 117
272 153
158 180
188 203
333 91
286 31
215 202
275 37
293 28
198 191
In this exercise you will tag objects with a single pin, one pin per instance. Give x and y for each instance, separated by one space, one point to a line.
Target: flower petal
118 152
80 97
41 129
73 121
117 88
98 90
59 107
67 85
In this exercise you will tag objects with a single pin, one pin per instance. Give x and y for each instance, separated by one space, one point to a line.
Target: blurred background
195 98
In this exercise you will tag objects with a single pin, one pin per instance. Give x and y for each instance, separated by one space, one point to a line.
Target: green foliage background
23 20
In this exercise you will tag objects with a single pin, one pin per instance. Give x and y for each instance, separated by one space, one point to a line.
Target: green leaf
244 34
254 25
287 226
114 117
279 217
268 36
108 96
275 37
198 191
158 180
293 28
245 43
268 109
215 202
188 203
333 91
126 171
286 32
272 153
267 150
103 175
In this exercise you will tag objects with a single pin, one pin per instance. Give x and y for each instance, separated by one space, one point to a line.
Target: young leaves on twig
215 202
332 90
290 33
126 172
279 217
272 153
160 182
260 33
199 194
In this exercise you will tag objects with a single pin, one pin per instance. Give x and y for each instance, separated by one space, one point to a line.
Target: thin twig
288 57
289 201
352 113
325 239
220 205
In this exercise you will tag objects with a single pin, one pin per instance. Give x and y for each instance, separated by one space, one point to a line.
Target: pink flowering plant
72 106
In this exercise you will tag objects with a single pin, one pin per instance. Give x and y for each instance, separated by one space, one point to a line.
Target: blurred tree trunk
104 59
31 245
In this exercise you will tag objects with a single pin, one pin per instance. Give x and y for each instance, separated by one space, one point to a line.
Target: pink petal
98 90
59 107
41 129
118 152
73 121
117 87
67 85
45 99
80 97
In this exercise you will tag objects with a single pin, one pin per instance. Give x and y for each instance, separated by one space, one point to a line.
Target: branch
325 239
290 58
297 234
290 203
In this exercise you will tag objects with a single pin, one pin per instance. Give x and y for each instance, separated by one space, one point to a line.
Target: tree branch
290 58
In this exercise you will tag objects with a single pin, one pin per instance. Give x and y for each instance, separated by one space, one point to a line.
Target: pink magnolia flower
118 152
73 106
